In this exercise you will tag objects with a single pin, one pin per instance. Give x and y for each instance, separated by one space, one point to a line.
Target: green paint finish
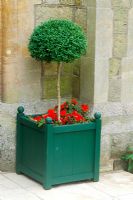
58 154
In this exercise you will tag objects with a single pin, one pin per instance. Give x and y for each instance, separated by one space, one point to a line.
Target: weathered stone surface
50 83
91 26
105 149
119 165
130 34
101 80
121 3
120 45
50 68
90 3
104 3
115 89
81 17
76 86
127 89
120 26
86 73
115 66
119 143
44 13
104 31
69 2
51 1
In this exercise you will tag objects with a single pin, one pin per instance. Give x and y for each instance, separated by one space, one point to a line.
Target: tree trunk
58 89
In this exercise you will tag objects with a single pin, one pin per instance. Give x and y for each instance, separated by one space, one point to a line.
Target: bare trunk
58 89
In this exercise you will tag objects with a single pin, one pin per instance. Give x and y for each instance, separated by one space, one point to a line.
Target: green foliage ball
57 40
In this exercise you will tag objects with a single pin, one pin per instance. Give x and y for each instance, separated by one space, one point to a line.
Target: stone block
119 165
107 167
120 14
103 3
51 1
120 45
66 86
19 80
121 3
104 33
87 79
50 83
91 28
90 3
105 149
130 34
44 13
119 144
120 20
115 66
127 65
68 68
114 89
50 68
76 87
76 67
69 2
126 88
112 109
101 83
81 17
120 26
112 125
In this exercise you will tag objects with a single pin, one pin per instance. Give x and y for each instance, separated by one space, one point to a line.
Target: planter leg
96 178
47 186
18 172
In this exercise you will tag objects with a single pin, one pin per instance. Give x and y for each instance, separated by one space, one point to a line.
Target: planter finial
20 109
49 120
97 115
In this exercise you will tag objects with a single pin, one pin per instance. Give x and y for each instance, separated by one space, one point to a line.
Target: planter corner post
47 182
97 146
18 139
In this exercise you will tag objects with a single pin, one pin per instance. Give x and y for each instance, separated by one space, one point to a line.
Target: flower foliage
71 113
57 40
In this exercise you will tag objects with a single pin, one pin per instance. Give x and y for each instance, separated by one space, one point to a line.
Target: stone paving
112 186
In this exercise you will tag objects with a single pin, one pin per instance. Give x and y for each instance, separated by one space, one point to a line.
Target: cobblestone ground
112 186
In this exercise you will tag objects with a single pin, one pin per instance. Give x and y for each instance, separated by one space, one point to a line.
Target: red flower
63 113
64 106
78 117
45 116
52 113
74 101
70 112
84 107
37 118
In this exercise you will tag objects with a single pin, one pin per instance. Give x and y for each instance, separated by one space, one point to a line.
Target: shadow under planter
56 154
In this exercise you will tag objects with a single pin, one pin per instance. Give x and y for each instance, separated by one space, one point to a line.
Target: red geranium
64 106
74 101
70 113
37 118
84 107
52 113
63 113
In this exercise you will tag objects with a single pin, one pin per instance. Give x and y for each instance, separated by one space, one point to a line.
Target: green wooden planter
58 154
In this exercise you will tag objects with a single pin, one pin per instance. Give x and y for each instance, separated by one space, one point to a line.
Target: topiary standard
59 41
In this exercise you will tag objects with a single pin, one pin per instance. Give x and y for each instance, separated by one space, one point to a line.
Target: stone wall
114 47
103 77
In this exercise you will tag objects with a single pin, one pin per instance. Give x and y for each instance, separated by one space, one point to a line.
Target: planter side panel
74 154
30 150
